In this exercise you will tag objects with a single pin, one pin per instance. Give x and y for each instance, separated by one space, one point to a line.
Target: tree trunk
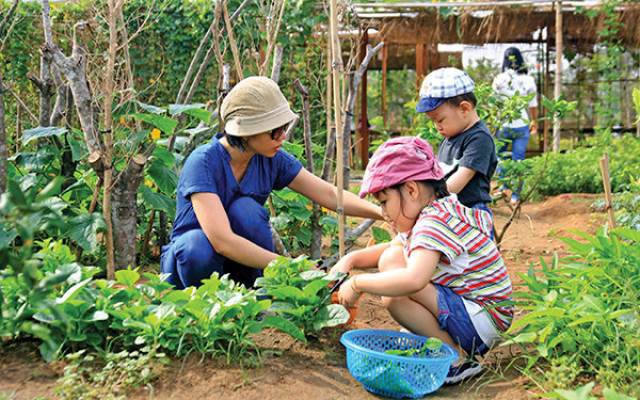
45 82
124 213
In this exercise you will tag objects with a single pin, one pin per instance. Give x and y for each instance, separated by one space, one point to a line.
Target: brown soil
317 370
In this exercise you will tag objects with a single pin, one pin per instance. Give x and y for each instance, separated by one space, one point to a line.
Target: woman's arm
325 194
215 224
363 258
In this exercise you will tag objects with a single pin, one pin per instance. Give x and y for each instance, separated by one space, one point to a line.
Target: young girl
442 276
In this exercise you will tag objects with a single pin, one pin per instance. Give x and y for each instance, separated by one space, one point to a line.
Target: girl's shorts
454 318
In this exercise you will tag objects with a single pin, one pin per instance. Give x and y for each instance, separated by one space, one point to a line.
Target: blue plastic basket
391 375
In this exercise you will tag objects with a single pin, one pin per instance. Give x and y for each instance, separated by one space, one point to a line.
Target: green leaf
52 189
311 290
582 393
16 195
380 235
332 315
197 110
158 201
84 229
284 326
41 132
78 146
61 275
312 274
7 235
72 291
288 292
127 277
164 155
165 124
163 177
99 316
151 108
610 394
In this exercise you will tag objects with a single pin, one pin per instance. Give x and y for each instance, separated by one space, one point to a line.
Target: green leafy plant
301 293
583 310
431 348
96 376
577 171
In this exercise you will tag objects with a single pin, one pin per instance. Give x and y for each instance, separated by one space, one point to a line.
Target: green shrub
583 311
578 170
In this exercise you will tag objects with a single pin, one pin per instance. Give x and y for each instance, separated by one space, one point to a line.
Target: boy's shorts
453 317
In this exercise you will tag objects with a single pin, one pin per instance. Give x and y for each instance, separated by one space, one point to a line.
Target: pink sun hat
399 160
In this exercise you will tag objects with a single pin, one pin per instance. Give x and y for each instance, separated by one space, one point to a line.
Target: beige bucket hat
255 105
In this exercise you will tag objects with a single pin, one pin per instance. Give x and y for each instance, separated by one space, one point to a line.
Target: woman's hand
344 265
348 294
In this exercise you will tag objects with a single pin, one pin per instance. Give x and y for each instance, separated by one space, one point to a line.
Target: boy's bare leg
417 312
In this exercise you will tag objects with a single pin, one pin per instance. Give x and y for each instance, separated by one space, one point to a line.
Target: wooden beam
558 81
420 67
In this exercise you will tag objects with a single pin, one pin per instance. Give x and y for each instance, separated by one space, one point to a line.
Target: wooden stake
606 182
336 69
558 81
362 133
383 90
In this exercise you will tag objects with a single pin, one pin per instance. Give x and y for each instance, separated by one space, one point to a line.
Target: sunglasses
277 133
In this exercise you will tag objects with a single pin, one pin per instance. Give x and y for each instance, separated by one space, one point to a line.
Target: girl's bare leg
418 311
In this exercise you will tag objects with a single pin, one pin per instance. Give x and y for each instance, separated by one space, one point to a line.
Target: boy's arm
401 281
459 179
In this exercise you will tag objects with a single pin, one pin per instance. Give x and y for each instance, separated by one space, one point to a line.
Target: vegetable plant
300 293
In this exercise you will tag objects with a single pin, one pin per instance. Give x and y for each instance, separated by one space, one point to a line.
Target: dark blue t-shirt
474 149
208 170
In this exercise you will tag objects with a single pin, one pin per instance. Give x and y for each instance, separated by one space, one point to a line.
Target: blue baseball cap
443 84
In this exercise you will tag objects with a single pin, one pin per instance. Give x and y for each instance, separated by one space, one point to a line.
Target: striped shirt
471 264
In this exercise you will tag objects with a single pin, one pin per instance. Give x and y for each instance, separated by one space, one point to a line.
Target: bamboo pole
336 69
606 182
558 81
383 91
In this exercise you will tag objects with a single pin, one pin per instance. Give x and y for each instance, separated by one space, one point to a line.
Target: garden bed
317 370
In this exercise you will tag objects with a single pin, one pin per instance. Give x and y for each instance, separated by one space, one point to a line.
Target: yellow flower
155 134
122 121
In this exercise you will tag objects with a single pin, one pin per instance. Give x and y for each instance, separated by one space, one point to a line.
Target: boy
468 153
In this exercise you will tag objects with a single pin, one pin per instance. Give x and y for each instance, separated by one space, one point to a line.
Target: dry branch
316 229
277 64
232 41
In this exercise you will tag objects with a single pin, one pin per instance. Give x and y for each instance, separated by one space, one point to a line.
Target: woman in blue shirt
221 224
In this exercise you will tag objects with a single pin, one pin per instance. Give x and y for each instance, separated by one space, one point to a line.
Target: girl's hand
348 295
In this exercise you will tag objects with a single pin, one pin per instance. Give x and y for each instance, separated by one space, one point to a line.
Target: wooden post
420 67
558 81
606 182
383 90
362 133
547 77
336 69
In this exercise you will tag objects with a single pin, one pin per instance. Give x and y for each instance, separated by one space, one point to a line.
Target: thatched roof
479 22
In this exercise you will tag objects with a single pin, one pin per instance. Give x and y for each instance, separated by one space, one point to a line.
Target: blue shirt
208 170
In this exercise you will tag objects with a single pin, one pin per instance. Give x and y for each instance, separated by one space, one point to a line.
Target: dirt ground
317 371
